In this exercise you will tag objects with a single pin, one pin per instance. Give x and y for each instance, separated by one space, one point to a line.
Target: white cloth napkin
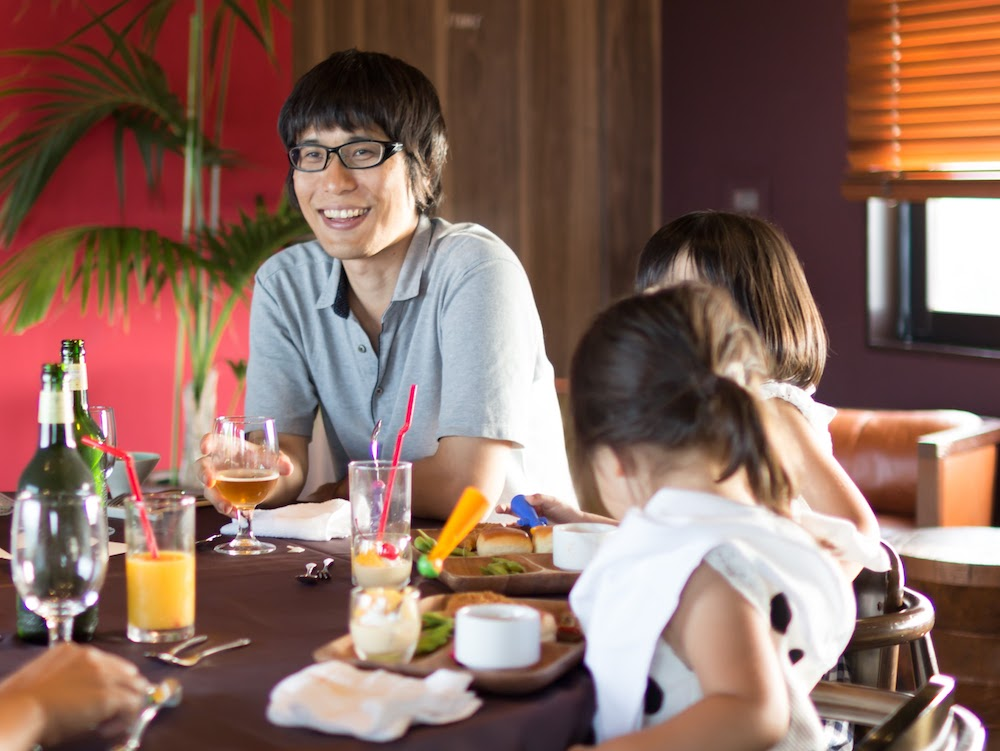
301 521
375 705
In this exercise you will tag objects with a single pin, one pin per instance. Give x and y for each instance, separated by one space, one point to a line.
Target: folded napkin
301 521
374 705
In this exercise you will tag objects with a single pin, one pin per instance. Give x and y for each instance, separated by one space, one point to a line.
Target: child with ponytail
709 613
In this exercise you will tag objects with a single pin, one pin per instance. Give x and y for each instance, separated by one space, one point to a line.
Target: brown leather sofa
921 468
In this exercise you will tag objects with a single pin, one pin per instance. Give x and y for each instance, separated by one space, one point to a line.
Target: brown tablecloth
225 696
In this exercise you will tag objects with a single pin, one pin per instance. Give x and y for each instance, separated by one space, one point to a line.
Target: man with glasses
387 296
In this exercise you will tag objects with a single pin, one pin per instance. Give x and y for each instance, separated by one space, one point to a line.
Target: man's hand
208 474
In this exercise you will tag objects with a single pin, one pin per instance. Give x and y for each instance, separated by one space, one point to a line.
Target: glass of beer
245 456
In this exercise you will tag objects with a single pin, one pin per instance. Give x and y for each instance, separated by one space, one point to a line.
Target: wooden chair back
890 615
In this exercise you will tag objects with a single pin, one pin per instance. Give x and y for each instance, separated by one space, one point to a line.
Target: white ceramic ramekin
493 636
574 545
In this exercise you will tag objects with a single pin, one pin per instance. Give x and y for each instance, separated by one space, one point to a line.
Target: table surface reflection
226 695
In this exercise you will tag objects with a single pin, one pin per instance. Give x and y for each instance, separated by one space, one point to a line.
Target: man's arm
439 479
459 461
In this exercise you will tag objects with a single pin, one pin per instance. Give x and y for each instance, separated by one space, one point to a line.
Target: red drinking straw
395 460
133 481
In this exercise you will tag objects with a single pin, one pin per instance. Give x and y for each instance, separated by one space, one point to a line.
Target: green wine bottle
56 467
74 361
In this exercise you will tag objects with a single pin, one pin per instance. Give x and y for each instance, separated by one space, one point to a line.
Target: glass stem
60 630
244 533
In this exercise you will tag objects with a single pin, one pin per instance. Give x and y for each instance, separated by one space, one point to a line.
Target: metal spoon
164 694
310 576
197 657
324 573
374 439
207 543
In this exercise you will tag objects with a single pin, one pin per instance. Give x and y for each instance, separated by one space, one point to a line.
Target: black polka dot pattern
795 655
654 697
781 613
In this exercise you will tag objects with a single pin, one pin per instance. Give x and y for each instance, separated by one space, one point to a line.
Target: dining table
225 697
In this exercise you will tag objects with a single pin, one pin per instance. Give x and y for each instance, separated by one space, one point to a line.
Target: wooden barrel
958 568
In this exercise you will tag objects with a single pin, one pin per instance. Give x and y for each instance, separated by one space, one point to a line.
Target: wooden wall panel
630 71
560 178
553 111
481 181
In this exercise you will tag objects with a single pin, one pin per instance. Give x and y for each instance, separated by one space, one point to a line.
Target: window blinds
923 99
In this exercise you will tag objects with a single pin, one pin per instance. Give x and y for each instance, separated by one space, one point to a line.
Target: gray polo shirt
462 325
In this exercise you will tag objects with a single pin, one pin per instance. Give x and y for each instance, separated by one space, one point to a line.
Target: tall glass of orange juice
160 583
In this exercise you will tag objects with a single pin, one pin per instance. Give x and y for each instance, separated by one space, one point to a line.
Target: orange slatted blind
923 99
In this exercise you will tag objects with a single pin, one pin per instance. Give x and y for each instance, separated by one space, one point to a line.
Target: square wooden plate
557 657
540 577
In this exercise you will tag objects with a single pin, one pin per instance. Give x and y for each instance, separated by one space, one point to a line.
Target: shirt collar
407 285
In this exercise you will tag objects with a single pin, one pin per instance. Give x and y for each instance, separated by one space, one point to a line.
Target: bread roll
541 538
461 599
502 541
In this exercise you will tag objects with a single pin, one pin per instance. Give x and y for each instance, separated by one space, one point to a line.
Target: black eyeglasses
313 157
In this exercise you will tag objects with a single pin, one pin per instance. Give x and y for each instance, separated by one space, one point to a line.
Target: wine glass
245 458
59 555
104 417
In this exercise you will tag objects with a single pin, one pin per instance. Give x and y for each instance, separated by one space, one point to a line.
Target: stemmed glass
104 417
245 457
59 555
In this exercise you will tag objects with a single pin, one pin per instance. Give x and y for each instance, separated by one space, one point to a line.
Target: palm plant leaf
130 87
236 250
101 261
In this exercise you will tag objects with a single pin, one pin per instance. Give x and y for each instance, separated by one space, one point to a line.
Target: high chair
928 720
890 614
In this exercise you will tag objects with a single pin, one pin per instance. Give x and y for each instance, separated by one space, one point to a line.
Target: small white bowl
574 545
144 462
494 636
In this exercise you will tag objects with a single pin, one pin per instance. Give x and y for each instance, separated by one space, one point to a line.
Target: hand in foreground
206 472
66 691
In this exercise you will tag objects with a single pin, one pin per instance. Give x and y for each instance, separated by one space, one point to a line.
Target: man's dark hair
354 90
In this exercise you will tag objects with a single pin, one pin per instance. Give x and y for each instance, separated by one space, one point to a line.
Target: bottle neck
76 383
55 419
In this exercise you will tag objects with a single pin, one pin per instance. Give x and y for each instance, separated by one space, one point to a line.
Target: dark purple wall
753 96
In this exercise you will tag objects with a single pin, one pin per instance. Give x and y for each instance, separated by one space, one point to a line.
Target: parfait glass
245 457
59 556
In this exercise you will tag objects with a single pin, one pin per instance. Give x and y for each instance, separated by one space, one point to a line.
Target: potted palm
78 84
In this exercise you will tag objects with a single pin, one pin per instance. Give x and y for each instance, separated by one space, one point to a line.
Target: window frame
898 316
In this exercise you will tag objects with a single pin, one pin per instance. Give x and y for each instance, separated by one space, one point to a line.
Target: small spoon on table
167 693
310 576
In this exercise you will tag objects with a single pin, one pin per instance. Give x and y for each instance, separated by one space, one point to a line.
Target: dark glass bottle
74 361
56 467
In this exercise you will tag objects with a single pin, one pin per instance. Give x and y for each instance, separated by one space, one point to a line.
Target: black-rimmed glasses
313 157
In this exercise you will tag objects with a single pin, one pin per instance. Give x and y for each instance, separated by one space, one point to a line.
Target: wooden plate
540 577
557 657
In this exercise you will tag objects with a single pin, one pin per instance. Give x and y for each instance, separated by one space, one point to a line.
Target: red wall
754 96
132 368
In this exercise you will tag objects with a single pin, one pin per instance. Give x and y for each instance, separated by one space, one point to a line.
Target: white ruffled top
629 592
